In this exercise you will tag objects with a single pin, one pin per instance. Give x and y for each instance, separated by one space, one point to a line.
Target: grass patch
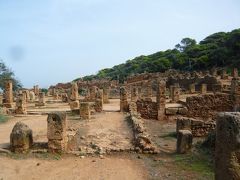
200 162
3 118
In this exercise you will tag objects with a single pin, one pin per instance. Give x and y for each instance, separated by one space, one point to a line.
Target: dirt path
72 168
107 131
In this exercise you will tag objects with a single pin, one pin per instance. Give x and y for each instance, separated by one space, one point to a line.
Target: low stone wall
206 106
197 127
147 109
141 138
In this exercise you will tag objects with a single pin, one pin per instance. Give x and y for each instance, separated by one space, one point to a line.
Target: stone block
184 141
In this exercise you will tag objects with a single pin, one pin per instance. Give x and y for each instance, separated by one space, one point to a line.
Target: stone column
36 90
161 100
227 152
85 112
8 94
192 88
148 90
99 100
105 95
235 73
92 90
184 141
224 74
123 100
56 131
214 72
203 89
175 93
74 92
41 99
134 94
21 107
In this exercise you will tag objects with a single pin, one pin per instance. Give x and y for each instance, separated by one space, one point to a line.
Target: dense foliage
217 50
5 74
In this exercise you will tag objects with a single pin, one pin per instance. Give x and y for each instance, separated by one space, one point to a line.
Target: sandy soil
72 168
107 131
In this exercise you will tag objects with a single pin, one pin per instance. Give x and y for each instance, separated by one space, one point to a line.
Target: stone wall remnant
227 149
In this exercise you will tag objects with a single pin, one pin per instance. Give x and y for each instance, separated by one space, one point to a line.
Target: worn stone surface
161 100
203 89
85 111
41 99
227 151
21 104
56 131
123 100
142 139
8 94
21 138
74 92
98 100
74 105
198 128
184 141
206 106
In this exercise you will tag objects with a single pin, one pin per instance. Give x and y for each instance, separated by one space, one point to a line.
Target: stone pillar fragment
32 96
148 90
41 99
161 99
123 100
134 94
21 138
192 88
105 95
99 101
203 89
235 73
8 94
85 112
36 90
74 92
224 74
92 90
184 141
21 107
227 149
56 131
175 93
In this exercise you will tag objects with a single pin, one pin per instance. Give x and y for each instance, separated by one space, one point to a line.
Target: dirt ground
72 168
106 131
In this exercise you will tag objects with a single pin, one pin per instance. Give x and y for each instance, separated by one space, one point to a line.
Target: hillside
221 49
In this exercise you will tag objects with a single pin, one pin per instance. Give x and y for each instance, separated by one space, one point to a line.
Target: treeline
6 74
217 50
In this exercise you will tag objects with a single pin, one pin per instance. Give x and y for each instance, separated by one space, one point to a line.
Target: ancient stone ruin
56 131
227 153
21 138
8 94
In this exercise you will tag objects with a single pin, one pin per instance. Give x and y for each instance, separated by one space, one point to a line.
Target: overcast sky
49 41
